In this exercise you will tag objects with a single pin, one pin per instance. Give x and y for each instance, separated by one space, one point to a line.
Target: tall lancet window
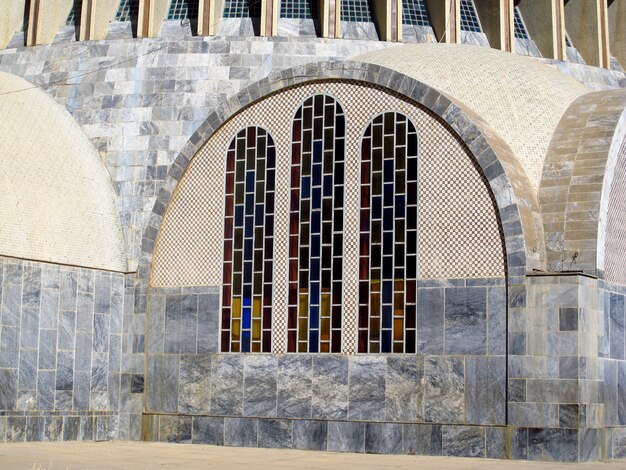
316 226
248 242
388 238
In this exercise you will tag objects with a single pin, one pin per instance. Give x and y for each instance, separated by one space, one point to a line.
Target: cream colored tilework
522 99
458 226
189 247
615 244
57 202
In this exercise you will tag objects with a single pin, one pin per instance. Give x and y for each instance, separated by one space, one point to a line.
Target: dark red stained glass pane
228 227
227 271
225 341
291 341
363 341
230 184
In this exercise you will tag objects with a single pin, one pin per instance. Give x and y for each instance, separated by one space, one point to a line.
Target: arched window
388 238
248 242
316 226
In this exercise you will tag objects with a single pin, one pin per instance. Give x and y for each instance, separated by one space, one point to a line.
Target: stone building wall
65 364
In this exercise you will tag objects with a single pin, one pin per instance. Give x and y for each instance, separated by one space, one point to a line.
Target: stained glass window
316 226
128 10
183 9
388 236
248 242
414 13
356 10
301 9
469 17
75 13
520 27
242 9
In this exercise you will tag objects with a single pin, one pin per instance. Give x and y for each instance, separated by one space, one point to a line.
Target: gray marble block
346 436
310 435
367 388
240 432
227 391
294 386
208 430
329 386
260 385
466 320
383 438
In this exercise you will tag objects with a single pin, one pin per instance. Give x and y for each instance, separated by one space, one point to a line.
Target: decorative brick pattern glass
388 239
128 10
242 9
316 226
520 27
248 242
300 9
75 13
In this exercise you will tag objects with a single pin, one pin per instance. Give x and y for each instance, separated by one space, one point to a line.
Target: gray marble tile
430 321
67 330
227 391
87 428
404 387
67 290
383 438
71 428
240 432
8 391
495 440
310 435
45 390
590 445
181 315
29 330
496 321
28 369
621 392
34 429
83 350
346 436
444 389
519 443
53 428
31 293
82 387
84 311
100 333
194 384
616 342
11 304
294 386
463 441
208 430
260 372
175 429
275 433
367 388
16 428
466 320
485 388
208 323
65 370
102 293
549 444
421 439
329 385
99 372
162 384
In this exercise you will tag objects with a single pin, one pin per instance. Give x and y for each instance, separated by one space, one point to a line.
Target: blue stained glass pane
388 193
328 185
315 229
388 265
317 175
249 181
387 291
317 193
247 273
247 296
317 151
388 170
305 187
377 202
249 204
385 345
314 317
246 320
387 317
388 219
249 226
248 249
313 341
239 216
400 203
315 246
258 215
315 265
245 341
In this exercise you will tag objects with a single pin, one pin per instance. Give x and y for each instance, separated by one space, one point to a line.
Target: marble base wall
63 361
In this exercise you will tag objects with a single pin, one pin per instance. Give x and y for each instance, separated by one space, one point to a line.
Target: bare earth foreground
148 455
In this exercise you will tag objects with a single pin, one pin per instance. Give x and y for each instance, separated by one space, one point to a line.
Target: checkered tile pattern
615 242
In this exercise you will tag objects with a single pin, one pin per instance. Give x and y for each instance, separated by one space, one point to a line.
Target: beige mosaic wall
615 243
522 99
459 235
57 202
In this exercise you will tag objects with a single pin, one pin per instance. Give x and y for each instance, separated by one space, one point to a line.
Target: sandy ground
148 455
